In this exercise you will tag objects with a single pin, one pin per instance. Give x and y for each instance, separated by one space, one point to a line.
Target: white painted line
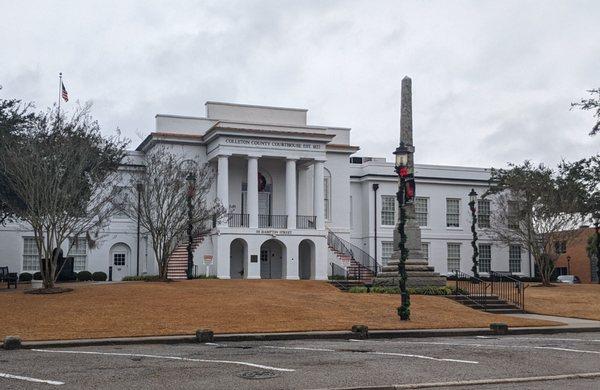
213 344
166 357
300 348
423 357
497 381
568 350
29 379
545 339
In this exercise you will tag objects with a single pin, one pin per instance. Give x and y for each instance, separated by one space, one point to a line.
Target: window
327 196
485 257
79 253
453 257
513 215
425 250
421 210
387 248
514 258
31 259
121 197
388 207
452 212
483 213
560 247
119 259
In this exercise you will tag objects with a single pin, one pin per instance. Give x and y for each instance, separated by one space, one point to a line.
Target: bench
8 277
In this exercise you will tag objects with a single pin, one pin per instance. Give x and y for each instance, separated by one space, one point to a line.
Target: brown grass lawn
225 306
579 300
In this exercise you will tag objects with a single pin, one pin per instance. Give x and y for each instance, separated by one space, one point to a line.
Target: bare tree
61 171
591 104
533 207
165 187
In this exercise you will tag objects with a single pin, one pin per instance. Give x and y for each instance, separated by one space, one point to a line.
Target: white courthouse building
289 186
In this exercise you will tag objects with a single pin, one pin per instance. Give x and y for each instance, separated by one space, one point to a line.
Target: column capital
253 156
292 158
319 160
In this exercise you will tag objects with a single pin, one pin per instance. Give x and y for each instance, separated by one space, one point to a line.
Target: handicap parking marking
179 358
30 379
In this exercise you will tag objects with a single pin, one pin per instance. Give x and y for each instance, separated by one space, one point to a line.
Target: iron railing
238 220
361 263
337 271
472 288
306 222
508 289
272 221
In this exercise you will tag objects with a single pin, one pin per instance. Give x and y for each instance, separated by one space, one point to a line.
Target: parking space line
166 357
373 353
424 357
569 350
29 379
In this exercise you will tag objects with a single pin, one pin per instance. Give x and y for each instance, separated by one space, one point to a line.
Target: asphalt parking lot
312 364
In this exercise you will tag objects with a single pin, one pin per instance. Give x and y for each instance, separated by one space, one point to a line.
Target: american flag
65 95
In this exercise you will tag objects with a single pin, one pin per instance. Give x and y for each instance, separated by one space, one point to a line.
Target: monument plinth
419 272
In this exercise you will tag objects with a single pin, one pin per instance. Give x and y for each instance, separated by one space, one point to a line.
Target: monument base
419 274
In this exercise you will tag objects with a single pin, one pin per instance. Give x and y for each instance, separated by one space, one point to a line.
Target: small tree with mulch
158 199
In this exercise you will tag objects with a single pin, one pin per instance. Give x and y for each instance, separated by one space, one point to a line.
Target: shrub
205 277
37 275
99 276
445 290
359 290
84 276
144 278
337 277
25 277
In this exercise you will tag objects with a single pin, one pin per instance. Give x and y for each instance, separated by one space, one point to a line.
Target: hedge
84 276
99 276
25 277
37 275
144 278
445 290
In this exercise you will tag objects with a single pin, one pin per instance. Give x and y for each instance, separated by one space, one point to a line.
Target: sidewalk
568 321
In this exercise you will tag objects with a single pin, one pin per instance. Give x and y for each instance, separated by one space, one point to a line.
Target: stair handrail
508 288
470 286
362 258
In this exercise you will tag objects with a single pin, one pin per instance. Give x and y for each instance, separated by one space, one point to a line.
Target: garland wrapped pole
191 179
597 227
472 200
405 194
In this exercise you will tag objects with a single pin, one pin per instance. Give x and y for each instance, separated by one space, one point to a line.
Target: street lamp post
597 226
472 200
402 169
191 180
569 265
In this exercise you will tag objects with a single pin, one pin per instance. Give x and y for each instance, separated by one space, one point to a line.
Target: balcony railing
272 221
306 222
237 220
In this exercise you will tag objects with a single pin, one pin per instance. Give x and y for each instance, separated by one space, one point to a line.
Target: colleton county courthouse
289 185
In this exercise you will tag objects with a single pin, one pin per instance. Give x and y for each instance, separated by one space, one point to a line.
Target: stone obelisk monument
419 273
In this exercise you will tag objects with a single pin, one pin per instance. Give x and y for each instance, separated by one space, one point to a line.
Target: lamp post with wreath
472 201
191 181
405 195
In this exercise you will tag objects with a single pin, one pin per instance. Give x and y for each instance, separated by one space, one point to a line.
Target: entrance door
119 261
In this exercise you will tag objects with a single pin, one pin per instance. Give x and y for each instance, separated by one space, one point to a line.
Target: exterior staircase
361 268
177 269
489 303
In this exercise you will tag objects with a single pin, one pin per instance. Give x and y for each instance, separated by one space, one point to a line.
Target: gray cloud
492 80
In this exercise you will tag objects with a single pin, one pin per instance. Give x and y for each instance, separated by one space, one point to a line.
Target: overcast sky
492 80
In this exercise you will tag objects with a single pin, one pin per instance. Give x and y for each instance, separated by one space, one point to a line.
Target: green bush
37 275
84 276
337 277
358 290
143 278
99 276
445 290
25 277
205 277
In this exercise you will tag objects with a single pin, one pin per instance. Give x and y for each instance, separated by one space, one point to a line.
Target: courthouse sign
272 143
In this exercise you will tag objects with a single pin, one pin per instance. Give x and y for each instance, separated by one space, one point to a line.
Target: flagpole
59 92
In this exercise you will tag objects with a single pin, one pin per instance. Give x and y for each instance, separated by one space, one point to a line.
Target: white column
252 191
318 195
223 185
290 193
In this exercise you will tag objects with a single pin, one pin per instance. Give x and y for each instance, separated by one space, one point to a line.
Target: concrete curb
373 334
